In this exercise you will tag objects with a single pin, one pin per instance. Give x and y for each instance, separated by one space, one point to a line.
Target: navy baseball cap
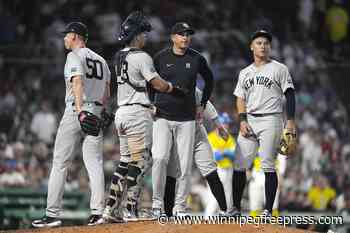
261 33
78 28
182 27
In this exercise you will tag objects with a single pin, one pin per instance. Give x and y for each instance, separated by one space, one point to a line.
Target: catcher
134 72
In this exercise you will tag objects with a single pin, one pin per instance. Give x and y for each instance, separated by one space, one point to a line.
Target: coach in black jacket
174 126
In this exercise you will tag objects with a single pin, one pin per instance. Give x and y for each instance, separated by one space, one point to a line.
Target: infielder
203 159
259 91
257 183
174 125
134 69
87 79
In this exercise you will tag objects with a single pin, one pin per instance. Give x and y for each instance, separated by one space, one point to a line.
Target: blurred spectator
321 195
8 25
38 166
310 150
306 8
6 151
158 29
44 124
337 22
109 24
12 177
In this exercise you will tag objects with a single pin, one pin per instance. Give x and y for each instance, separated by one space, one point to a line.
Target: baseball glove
89 123
107 119
288 144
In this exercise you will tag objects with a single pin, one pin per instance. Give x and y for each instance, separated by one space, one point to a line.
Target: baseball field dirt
155 227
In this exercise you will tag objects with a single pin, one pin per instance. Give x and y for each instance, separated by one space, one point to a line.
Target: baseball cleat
234 213
47 222
153 215
130 216
182 214
266 216
112 219
95 220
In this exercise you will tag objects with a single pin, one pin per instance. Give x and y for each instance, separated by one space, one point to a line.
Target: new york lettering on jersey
263 87
258 80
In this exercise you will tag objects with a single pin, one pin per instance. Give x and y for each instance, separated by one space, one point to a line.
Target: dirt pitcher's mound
155 227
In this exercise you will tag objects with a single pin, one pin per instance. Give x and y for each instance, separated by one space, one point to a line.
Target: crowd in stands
307 33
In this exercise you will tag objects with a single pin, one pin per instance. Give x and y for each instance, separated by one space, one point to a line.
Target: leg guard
117 185
136 173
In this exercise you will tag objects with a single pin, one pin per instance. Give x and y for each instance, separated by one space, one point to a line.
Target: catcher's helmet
133 25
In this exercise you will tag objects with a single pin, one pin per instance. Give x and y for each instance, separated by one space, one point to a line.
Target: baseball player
203 159
257 183
87 79
260 90
224 153
174 125
134 70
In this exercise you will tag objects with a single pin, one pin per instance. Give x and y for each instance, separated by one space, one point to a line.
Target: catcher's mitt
288 144
89 123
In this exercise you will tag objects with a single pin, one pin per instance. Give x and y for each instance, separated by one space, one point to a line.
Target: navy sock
217 189
238 183
271 183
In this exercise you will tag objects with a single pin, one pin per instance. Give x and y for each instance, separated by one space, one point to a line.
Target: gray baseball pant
166 135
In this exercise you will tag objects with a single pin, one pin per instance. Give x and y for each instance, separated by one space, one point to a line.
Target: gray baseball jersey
94 74
262 88
139 70
132 118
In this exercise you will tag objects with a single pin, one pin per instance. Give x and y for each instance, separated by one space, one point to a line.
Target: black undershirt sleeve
290 105
208 77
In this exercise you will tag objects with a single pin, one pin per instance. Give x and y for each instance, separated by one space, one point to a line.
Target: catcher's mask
133 25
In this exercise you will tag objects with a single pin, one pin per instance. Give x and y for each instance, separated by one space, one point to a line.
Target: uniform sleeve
74 65
107 72
147 67
210 112
208 77
240 90
285 79
198 95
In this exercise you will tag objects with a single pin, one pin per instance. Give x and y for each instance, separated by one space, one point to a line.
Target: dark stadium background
310 37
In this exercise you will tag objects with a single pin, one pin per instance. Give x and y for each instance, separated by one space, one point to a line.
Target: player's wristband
242 117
